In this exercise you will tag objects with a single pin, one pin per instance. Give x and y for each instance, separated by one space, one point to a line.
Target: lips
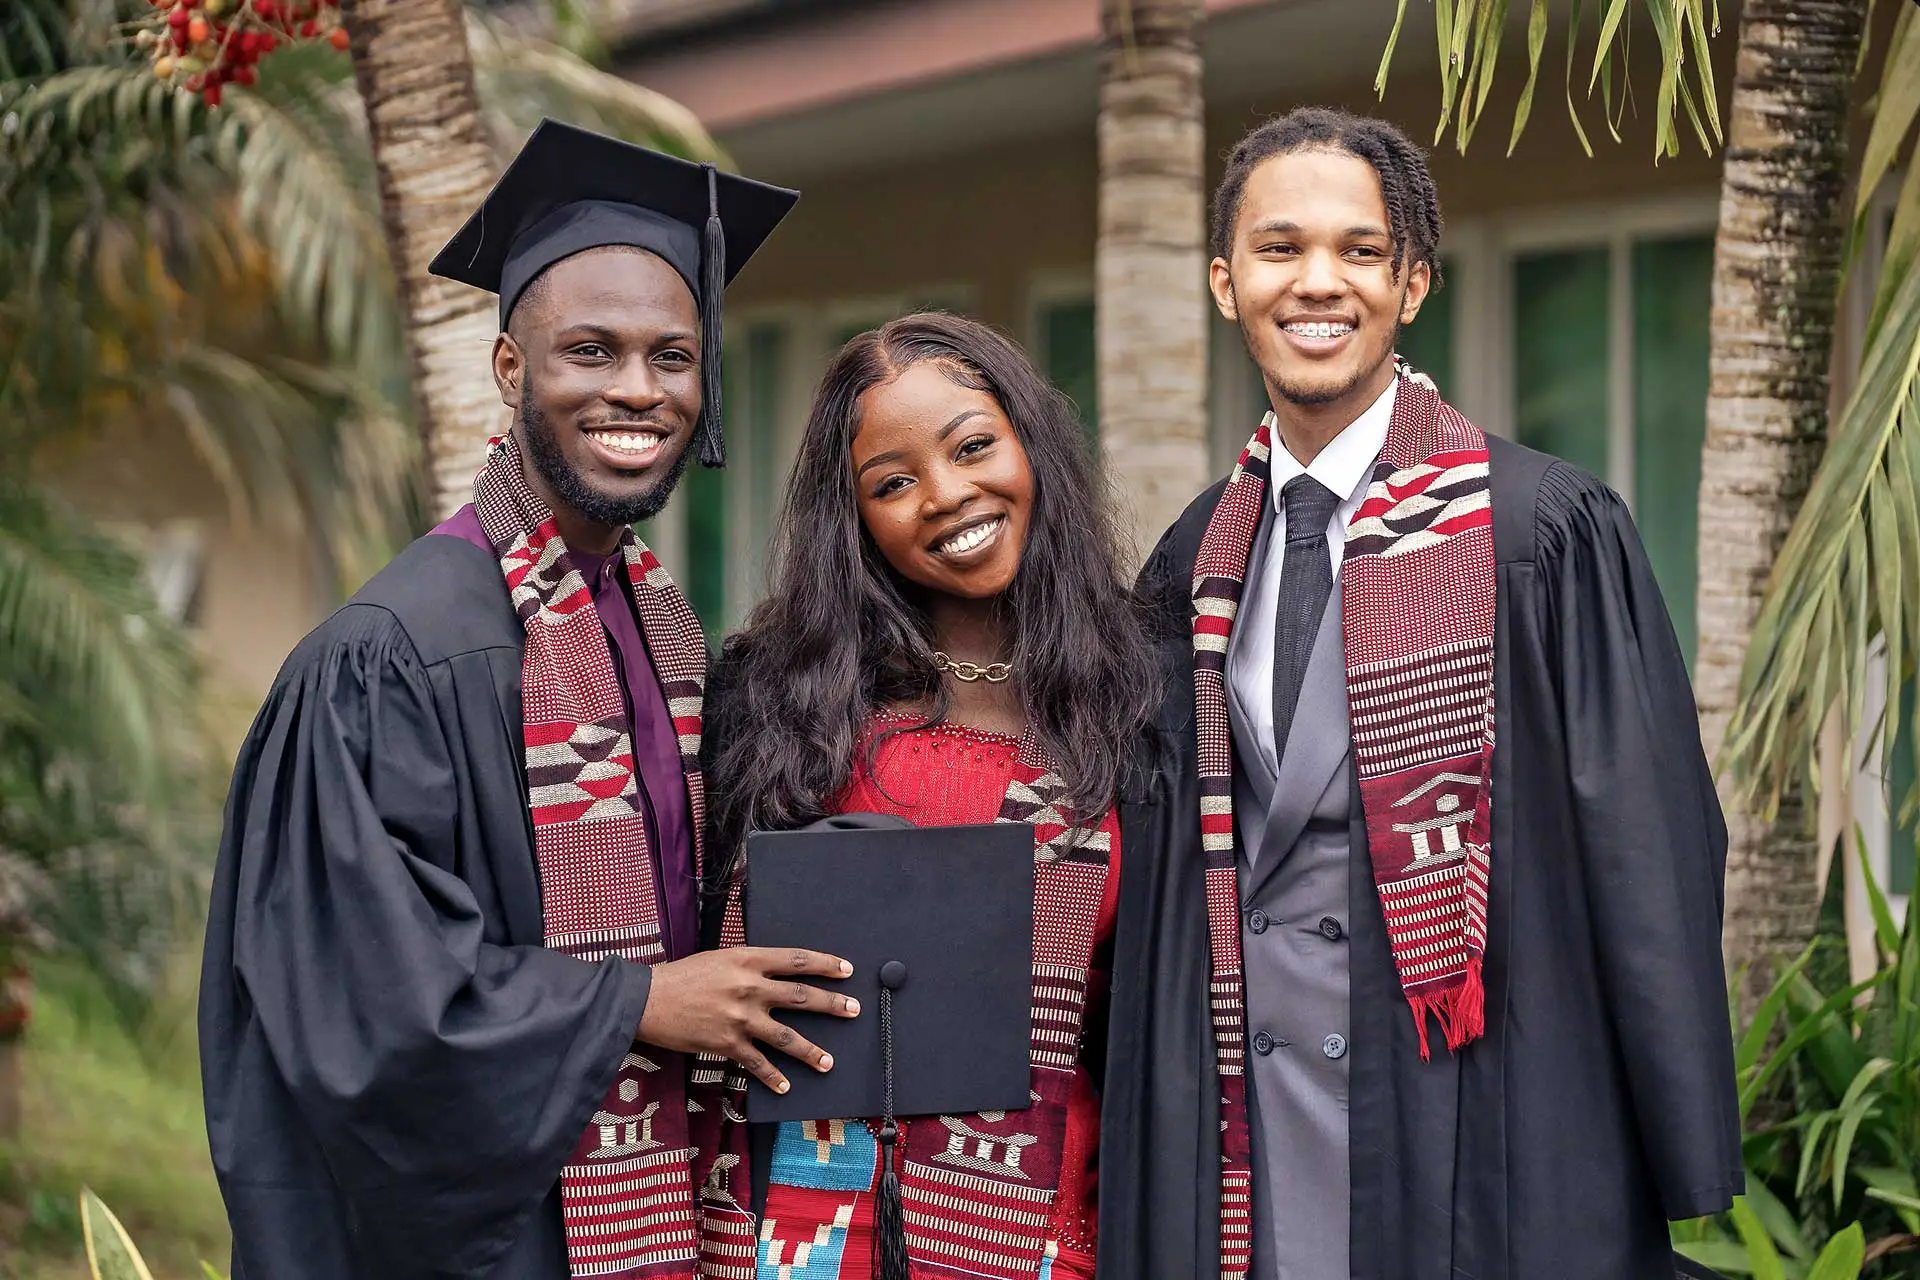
970 537
625 448
1317 337
1318 328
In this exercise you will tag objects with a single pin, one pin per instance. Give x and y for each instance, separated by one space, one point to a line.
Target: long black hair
841 634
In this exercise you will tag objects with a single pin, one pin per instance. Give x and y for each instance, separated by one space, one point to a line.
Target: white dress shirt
1344 467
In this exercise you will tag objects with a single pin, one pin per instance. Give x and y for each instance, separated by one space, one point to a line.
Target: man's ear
1220 281
509 370
1419 281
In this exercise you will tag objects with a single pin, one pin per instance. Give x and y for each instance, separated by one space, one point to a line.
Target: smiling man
451 1007
1457 1008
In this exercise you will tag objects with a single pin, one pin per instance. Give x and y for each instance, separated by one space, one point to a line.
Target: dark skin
945 491
1310 251
613 342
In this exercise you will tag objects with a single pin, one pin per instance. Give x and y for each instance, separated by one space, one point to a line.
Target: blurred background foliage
217 279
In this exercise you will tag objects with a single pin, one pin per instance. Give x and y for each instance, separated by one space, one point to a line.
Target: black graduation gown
395 1067
1600 1101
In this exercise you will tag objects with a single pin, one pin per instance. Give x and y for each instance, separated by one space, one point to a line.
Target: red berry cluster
203 45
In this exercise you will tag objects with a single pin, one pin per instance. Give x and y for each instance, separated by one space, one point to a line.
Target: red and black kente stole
628 1190
1417 591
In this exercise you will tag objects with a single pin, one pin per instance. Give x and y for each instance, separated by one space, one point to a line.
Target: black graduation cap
570 190
938 925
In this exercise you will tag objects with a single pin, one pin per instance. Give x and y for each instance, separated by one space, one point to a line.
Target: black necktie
1306 583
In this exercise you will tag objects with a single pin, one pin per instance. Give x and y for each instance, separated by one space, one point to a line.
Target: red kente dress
819 1221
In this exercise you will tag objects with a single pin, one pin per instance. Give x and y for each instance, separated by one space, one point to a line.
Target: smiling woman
947 631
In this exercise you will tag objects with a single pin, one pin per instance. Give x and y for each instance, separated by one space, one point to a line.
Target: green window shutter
1901 770
1066 338
703 495
1560 350
1672 310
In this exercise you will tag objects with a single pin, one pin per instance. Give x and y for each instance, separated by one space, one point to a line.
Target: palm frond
522 79
81 643
1845 590
1470 34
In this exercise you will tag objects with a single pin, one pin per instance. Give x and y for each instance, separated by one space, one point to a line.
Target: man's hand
720 1002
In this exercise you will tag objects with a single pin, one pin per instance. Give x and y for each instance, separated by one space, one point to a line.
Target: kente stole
1417 591
627 1191
978 1189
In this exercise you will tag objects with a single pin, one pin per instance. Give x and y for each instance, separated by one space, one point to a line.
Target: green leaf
1751 1045
1811 1150
1386 55
1610 18
110 1253
1778 1220
1885 930
1761 1255
1897 106
1894 1198
1854 1108
1842 1258
1573 112
1720 1255
1805 1029
1536 43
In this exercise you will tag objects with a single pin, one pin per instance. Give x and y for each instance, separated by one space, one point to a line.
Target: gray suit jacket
1294 852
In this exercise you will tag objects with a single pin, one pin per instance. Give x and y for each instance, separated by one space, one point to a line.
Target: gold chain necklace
992 673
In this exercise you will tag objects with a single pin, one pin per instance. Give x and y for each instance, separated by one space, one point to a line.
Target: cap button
893 975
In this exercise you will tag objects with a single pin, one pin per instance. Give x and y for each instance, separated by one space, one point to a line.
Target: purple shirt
656 747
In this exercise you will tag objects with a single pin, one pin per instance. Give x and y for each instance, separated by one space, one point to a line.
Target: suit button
1334 1046
1262 1043
1257 920
1330 929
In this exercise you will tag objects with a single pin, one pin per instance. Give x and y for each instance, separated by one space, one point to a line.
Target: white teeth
628 441
1319 328
969 539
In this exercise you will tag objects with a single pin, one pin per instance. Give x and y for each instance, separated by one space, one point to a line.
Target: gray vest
1294 860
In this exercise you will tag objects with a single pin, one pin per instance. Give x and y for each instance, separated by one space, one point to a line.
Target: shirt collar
1346 464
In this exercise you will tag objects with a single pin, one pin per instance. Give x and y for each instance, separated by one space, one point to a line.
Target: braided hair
1413 203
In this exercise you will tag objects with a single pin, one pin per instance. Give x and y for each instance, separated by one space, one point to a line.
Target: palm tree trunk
1150 263
1775 286
435 163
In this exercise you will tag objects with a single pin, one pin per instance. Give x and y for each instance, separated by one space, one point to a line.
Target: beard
1315 395
572 488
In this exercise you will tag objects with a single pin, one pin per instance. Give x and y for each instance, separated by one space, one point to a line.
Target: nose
1320 276
944 491
634 384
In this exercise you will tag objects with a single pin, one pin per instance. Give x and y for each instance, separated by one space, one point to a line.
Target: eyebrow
1358 231
594 329
893 455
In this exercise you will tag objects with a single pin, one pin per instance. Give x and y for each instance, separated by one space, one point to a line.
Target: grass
118 1111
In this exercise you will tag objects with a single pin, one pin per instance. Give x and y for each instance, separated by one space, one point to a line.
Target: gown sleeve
444 1077
1652 839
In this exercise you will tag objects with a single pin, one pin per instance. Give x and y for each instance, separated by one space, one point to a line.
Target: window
1064 349
726 516
1609 371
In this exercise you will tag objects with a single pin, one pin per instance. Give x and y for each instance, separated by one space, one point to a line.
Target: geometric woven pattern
1417 594
1418 587
642 1194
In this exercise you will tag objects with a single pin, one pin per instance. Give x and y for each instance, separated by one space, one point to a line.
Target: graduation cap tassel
889 1215
713 286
